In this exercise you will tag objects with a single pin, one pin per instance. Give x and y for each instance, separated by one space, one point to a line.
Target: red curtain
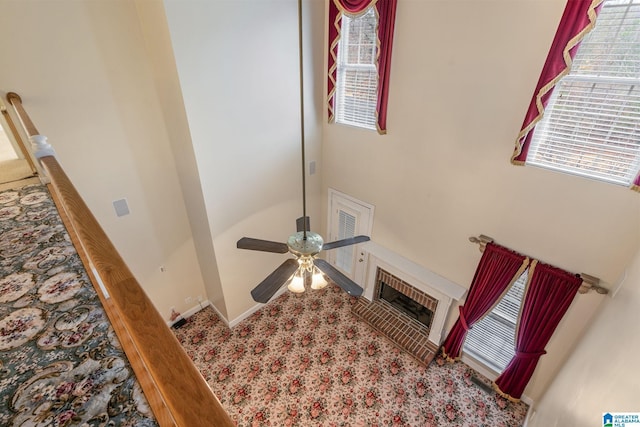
499 267
578 19
386 10
549 293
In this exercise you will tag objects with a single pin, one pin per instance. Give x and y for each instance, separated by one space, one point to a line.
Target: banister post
39 145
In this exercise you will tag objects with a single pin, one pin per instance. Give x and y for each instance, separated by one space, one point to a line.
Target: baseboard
530 414
231 323
479 367
223 318
529 401
491 375
193 310
253 309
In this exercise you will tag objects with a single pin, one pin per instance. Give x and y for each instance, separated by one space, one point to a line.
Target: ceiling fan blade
300 224
262 245
269 286
346 242
348 285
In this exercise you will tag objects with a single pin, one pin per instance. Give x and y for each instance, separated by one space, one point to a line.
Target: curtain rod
588 282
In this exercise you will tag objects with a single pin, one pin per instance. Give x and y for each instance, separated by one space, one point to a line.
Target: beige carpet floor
16 173
14 170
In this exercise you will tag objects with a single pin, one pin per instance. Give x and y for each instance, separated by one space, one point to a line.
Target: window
591 126
357 76
491 341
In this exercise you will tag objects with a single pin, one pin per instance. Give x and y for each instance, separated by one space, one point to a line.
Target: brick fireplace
405 298
413 308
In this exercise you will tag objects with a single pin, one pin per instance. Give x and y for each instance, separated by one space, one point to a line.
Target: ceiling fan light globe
296 284
317 280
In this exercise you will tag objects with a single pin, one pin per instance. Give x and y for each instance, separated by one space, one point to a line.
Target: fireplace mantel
416 271
423 279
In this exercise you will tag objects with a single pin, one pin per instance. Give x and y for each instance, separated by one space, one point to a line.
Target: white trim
444 290
531 412
479 367
223 318
364 225
492 376
529 401
255 308
420 273
193 310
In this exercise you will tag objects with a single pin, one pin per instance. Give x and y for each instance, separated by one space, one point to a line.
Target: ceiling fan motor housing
299 246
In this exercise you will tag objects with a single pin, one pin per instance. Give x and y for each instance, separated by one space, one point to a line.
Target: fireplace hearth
416 282
401 312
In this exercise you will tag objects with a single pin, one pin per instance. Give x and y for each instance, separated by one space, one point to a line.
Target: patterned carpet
60 361
305 360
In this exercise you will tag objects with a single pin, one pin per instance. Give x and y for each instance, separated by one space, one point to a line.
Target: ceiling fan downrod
304 244
301 69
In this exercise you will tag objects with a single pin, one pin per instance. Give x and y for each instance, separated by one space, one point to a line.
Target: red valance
578 19
386 11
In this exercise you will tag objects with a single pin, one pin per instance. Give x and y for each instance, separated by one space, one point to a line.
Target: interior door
348 217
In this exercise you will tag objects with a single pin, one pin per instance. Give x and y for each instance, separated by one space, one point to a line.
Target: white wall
153 22
602 374
462 75
84 77
238 68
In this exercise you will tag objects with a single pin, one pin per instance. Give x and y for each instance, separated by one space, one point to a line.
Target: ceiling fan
304 245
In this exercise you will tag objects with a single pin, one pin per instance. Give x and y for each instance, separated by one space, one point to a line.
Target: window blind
591 124
346 229
491 341
357 76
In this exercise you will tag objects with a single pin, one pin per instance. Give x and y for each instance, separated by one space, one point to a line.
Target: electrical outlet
200 299
188 300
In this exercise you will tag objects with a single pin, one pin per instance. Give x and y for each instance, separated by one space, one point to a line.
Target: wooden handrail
23 148
15 100
175 389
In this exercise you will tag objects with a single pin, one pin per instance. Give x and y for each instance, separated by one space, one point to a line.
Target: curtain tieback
463 320
530 355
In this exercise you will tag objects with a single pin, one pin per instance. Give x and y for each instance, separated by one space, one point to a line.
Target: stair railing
176 391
